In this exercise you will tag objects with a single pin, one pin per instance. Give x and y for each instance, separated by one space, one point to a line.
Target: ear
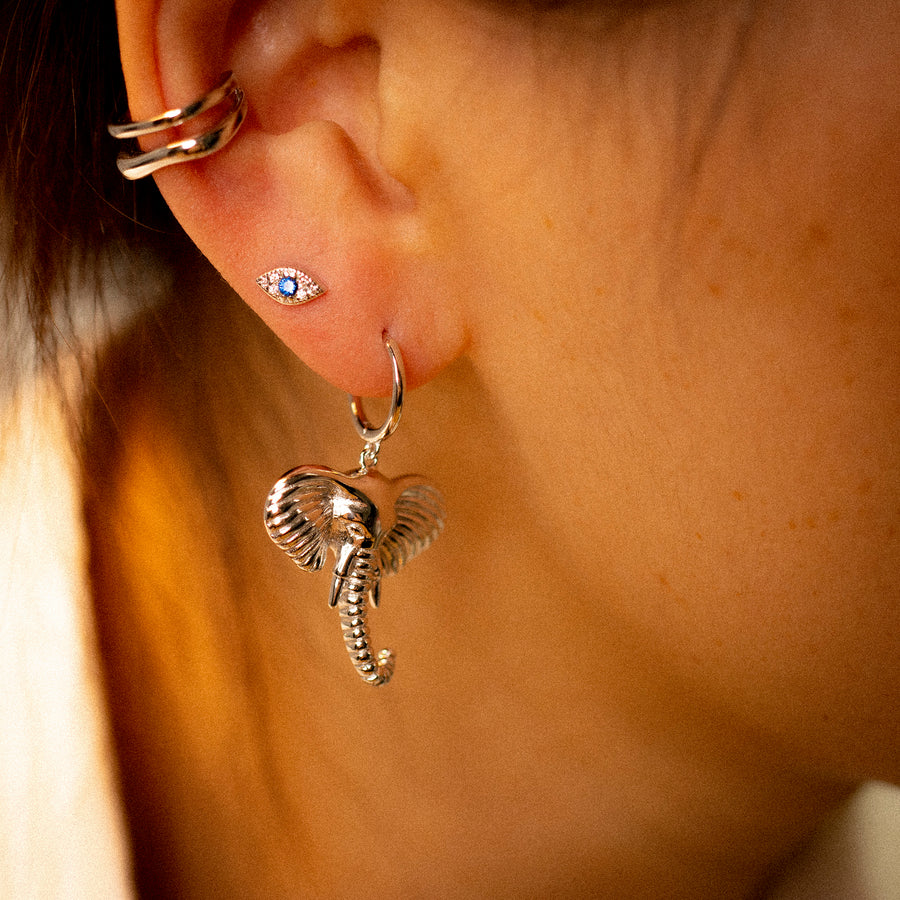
304 184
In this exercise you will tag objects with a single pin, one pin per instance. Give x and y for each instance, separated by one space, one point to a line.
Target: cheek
776 407
735 442
776 581
772 424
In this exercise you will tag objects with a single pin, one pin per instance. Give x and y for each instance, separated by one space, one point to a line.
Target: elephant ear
299 515
420 516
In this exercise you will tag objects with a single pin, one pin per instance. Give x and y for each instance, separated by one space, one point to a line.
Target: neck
615 761
537 740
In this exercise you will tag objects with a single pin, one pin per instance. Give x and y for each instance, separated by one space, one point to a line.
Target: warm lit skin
649 277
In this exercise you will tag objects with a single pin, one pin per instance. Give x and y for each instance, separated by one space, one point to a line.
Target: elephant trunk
359 581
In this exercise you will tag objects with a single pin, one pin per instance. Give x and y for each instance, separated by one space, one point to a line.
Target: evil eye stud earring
290 287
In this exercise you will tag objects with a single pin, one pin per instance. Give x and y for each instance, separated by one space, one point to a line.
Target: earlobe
302 186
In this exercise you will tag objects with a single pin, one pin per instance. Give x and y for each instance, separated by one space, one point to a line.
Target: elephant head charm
372 524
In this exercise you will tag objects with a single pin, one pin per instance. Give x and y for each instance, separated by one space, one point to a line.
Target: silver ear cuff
226 93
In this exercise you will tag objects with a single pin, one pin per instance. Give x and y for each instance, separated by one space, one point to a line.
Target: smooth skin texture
646 267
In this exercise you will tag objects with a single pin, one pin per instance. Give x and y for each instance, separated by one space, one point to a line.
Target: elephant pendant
372 524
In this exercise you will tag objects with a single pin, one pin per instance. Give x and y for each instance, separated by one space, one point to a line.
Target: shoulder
854 855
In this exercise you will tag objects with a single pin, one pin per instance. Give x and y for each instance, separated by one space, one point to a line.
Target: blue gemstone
287 286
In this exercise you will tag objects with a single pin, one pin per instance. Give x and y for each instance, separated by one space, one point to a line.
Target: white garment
61 830
855 856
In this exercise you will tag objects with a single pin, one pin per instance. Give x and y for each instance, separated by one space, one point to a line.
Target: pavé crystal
290 287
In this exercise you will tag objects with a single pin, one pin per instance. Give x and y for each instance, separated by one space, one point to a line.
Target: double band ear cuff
373 525
226 93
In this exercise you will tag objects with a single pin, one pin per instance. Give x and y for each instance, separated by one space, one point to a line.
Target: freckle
737 496
818 234
810 522
715 289
849 315
814 240
864 488
548 223
539 315
599 291
699 536
792 525
663 580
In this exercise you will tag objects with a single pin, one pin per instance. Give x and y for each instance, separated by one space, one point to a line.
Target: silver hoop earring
139 165
372 524
371 434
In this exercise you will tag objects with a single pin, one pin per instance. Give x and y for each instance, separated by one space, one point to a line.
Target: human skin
649 275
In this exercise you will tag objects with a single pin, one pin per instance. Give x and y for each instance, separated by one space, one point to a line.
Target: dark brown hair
65 203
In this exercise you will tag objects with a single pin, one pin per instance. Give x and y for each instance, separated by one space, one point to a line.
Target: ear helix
290 287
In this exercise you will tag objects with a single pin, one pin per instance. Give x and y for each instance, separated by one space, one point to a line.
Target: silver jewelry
374 525
290 287
138 165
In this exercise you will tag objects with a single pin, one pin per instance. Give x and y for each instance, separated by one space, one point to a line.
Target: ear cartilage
290 287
